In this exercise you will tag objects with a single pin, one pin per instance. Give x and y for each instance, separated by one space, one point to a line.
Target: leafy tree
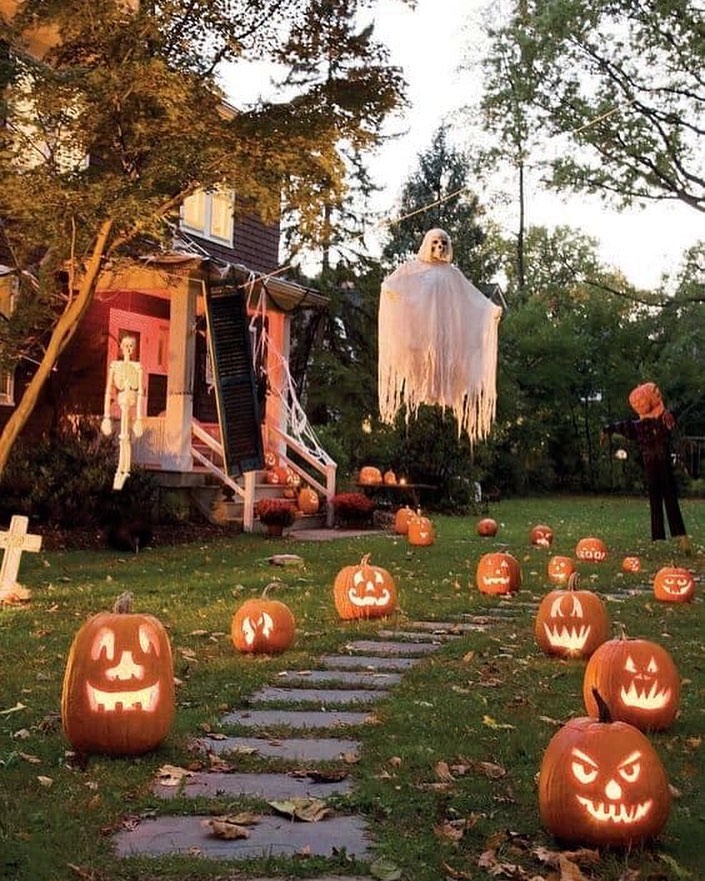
135 90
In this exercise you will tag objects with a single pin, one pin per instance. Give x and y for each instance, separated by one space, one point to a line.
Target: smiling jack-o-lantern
571 623
308 500
560 569
631 564
638 680
118 689
498 573
541 536
602 783
591 550
420 531
487 527
364 591
262 625
674 584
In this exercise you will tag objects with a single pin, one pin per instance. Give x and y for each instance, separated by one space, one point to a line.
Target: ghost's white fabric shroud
437 343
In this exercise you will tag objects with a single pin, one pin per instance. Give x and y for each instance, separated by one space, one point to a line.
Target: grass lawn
486 705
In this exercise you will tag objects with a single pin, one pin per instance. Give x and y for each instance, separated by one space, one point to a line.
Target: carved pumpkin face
364 591
390 478
271 460
308 500
487 527
118 689
673 584
370 476
639 681
603 784
420 531
646 401
401 520
631 564
571 623
560 569
276 475
591 550
263 626
541 536
498 573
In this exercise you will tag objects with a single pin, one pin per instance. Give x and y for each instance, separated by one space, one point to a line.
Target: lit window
210 214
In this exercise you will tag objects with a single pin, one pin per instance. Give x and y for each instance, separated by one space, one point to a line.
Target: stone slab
295 749
262 786
416 636
367 662
443 628
388 647
335 697
273 836
299 719
366 678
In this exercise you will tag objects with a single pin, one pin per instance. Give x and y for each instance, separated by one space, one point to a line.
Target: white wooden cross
16 540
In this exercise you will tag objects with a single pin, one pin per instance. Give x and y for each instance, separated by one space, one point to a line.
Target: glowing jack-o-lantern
541 536
420 531
118 689
308 501
276 475
487 527
364 591
591 550
631 564
390 478
370 476
560 569
571 623
602 783
638 680
402 518
498 573
263 625
674 584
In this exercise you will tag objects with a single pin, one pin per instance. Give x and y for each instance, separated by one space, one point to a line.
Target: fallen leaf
223 827
493 723
310 810
18 706
456 873
33 760
45 781
443 772
172 775
468 657
569 870
385 870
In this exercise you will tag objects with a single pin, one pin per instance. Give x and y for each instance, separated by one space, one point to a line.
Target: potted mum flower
353 509
275 514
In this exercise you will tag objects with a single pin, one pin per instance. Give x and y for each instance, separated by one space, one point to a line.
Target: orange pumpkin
364 591
263 625
498 573
271 459
370 476
390 478
118 689
541 536
571 623
602 784
308 501
631 564
487 527
674 584
276 475
639 681
401 520
420 531
560 569
591 550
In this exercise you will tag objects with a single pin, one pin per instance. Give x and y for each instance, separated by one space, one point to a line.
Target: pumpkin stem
365 560
123 604
623 634
573 580
273 585
604 711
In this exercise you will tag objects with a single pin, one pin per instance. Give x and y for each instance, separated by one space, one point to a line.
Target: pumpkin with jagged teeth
674 584
571 623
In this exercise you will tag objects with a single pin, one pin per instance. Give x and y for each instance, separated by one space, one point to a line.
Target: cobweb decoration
437 341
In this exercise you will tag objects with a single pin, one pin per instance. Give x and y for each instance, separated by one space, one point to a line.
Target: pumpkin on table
118 689
263 625
487 527
364 591
541 536
390 478
370 475
420 531
571 623
602 783
498 573
591 550
674 584
560 569
638 680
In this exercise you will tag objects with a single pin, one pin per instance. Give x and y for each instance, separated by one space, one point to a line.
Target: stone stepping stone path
364 672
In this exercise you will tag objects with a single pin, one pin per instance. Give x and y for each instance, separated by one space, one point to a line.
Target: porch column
179 387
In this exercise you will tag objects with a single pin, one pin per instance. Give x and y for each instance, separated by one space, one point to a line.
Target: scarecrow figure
652 432
437 340
126 376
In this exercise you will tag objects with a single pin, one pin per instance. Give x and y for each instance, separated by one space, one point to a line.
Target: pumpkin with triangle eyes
541 536
602 784
571 623
560 569
118 690
402 518
639 681
591 550
263 625
498 573
420 531
674 584
364 591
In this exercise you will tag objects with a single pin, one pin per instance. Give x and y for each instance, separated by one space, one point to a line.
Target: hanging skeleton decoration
437 340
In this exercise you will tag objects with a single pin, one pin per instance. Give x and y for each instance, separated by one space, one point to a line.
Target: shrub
275 512
353 507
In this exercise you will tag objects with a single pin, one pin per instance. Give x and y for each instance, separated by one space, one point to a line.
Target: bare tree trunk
61 336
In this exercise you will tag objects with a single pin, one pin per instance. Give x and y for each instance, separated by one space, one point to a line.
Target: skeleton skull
436 247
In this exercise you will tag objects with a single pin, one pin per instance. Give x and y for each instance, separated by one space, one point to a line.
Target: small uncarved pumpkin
674 584
420 531
370 476
571 623
498 573
541 536
401 520
591 550
308 501
364 591
263 626
390 478
560 569
638 680
631 564
602 784
118 689
487 527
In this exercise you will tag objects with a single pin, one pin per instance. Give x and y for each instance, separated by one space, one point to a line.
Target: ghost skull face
436 247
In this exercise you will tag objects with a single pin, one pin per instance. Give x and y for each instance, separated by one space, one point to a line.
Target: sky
430 44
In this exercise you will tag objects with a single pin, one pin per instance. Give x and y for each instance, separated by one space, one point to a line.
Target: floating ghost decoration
437 340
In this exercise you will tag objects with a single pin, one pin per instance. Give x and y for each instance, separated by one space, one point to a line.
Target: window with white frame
209 214
8 294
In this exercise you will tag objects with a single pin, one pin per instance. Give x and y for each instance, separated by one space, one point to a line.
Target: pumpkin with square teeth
602 784
571 623
674 584
263 626
364 591
118 689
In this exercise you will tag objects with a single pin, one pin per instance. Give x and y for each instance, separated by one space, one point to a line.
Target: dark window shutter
235 387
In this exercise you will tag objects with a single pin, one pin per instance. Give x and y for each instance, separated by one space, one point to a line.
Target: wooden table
400 493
